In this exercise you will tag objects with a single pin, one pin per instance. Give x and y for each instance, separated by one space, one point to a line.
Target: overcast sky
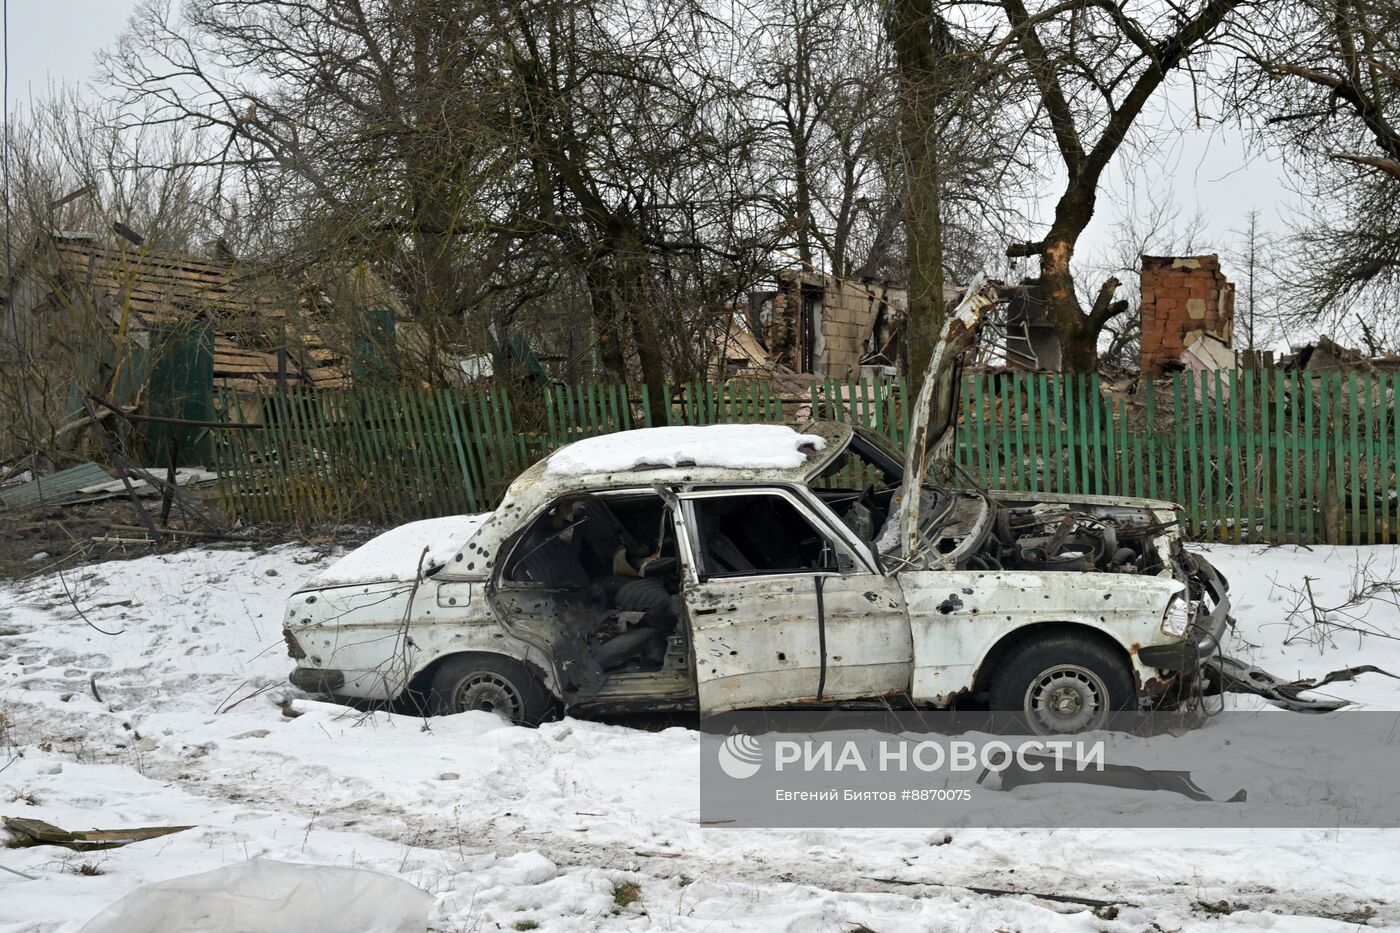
53 42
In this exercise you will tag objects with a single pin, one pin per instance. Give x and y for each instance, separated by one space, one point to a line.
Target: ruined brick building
1188 314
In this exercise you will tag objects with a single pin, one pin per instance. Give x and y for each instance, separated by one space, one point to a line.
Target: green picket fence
1252 456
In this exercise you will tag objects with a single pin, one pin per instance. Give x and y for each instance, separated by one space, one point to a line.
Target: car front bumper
1202 639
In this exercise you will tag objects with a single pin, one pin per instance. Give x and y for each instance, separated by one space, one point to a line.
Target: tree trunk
912 26
646 336
1078 347
606 321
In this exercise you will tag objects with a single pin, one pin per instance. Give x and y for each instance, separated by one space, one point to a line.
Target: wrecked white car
746 566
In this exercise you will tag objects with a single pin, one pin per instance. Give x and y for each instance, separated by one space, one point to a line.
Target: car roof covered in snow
656 459
726 446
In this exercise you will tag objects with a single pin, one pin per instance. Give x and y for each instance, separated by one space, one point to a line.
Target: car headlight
1177 619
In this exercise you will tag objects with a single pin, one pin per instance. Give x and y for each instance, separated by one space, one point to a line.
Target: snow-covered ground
182 718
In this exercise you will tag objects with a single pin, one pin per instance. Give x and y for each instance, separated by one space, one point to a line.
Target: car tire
490 683
1057 684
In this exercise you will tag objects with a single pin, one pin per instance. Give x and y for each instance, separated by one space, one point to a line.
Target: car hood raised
933 416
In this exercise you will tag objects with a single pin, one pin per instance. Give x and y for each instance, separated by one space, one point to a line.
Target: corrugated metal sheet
56 488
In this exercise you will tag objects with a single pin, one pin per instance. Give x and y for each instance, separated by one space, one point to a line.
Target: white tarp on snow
738 446
271 897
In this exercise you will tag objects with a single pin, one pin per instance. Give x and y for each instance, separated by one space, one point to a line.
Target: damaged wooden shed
265 330
826 326
163 330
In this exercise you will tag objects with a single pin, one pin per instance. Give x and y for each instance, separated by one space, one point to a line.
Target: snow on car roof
733 446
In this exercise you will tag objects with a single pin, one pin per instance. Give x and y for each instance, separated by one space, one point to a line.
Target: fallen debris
111 488
1235 676
25 833
1007 892
57 488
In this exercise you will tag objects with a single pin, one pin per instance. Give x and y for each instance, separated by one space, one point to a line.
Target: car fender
957 617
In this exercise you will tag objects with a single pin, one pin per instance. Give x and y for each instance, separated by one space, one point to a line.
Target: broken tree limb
176 422
1104 306
25 833
182 532
1389 166
20 873
1022 250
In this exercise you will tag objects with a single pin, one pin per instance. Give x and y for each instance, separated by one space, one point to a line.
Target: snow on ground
181 718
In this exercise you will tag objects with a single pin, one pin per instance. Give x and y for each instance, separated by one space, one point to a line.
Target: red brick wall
1180 296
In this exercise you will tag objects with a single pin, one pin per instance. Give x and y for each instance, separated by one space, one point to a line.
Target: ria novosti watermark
922 769
740 756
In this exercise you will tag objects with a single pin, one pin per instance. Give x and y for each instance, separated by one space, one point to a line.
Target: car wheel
1062 684
492 684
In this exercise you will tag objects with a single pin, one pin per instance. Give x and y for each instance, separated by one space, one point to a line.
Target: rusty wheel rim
488 692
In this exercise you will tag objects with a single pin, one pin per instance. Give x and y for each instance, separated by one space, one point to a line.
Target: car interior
604 569
609 563
759 533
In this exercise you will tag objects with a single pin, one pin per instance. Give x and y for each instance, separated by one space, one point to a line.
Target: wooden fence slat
1368 461
1381 456
1353 471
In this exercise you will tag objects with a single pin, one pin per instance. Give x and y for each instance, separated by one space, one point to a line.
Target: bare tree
1256 254
1095 66
1320 77
349 130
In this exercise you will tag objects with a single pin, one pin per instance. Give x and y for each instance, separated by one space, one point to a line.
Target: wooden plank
984 460
1353 475
1198 455
1221 458
1369 458
1004 426
1154 482
1095 397
1136 441
1236 459
1393 474
1279 477
1179 432
1382 406
311 486
1250 489
1019 479
1338 529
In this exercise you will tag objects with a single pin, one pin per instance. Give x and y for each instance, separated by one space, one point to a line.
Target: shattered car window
860 484
745 535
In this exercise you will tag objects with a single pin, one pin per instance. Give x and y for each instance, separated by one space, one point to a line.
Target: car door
784 607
